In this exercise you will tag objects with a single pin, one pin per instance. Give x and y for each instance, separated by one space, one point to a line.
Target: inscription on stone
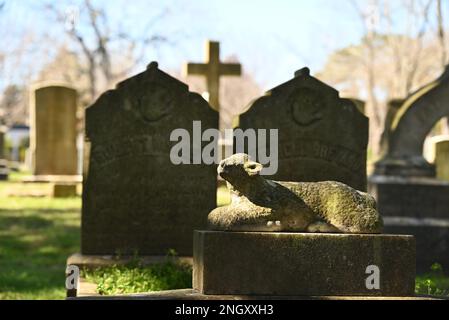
135 199
321 136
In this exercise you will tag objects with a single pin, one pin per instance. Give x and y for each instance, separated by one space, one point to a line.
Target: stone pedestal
293 264
442 160
417 206
410 197
4 170
64 190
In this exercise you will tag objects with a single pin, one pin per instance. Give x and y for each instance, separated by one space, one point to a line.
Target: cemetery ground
38 233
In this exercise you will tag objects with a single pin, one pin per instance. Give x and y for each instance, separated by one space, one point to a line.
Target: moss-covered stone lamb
263 205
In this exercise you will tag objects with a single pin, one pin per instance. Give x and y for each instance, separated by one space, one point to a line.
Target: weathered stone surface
294 264
53 130
264 205
417 206
321 136
410 127
64 190
86 261
442 160
410 197
134 198
4 170
88 289
2 142
432 240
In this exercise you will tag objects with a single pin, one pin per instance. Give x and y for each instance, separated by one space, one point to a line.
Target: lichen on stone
262 205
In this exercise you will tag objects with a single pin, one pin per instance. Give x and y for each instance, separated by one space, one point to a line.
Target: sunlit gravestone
53 130
136 200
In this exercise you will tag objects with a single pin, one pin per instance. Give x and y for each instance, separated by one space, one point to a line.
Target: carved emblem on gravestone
156 104
306 107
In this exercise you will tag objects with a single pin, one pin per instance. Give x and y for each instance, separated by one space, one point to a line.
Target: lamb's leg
322 227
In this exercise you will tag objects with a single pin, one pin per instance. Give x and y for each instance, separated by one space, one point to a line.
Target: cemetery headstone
2 142
321 136
4 170
53 131
409 197
442 160
135 200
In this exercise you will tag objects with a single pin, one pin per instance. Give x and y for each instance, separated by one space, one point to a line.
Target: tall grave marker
135 199
213 69
53 130
321 136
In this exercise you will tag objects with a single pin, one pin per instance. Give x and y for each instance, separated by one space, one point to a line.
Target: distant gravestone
4 170
135 200
321 136
409 196
53 131
2 142
409 127
442 160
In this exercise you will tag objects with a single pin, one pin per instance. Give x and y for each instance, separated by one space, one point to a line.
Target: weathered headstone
2 142
4 170
360 104
134 198
409 197
53 131
442 160
321 136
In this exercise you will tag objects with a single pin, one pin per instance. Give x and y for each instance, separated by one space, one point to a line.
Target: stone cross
213 69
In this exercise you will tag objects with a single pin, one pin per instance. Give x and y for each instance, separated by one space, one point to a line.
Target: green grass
36 237
223 196
137 279
435 283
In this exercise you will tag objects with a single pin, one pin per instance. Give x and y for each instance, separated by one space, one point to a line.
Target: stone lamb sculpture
261 205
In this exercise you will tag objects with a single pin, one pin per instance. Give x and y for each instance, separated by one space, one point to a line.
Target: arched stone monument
409 128
410 197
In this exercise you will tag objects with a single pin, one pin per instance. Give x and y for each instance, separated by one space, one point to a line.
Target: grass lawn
36 237
37 234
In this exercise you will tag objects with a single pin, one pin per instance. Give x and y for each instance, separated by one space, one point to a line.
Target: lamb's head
239 169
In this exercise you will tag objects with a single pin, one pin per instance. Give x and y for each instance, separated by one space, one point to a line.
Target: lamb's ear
253 168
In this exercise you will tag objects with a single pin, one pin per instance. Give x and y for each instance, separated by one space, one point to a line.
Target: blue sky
271 38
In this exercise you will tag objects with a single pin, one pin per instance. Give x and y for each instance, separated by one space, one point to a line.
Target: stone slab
64 190
53 179
410 197
92 261
432 240
294 264
193 295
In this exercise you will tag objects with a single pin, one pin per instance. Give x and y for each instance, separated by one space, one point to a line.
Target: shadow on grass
34 246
